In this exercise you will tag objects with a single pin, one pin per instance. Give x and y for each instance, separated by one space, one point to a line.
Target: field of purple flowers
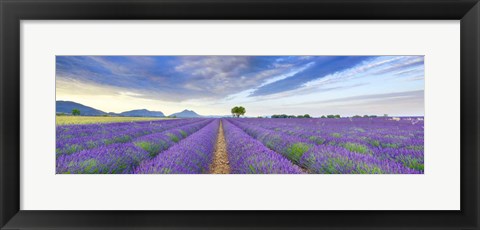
253 146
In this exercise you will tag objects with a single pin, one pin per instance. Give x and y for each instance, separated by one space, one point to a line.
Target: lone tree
238 111
75 112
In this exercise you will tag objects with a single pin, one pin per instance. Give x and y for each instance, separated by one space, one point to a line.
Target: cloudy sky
264 85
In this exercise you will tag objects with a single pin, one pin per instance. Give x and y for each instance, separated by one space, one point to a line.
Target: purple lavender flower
249 156
342 145
109 134
112 159
192 155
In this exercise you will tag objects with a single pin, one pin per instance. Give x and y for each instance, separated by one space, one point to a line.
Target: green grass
78 120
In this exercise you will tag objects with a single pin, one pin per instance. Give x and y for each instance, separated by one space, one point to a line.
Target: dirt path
220 163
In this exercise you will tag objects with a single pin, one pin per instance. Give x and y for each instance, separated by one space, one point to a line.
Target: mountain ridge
66 107
186 114
142 113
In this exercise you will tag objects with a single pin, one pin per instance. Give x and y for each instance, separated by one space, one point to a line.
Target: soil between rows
220 164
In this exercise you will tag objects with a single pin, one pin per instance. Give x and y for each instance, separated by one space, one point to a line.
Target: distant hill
142 113
186 114
67 107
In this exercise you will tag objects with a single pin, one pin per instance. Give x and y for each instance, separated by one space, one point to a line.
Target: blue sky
264 85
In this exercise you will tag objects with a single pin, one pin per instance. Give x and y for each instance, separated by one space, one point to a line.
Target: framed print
239 114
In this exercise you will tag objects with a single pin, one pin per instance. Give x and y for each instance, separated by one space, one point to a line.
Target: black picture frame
13 11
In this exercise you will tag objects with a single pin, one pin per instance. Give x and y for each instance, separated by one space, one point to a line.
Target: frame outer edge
3 216
476 194
470 95
9 172
2 178
9 112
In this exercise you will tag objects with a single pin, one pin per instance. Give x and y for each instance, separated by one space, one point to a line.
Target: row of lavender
194 154
74 138
120 148
249 156
377 145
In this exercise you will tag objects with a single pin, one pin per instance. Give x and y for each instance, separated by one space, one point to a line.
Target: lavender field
381 145
239 114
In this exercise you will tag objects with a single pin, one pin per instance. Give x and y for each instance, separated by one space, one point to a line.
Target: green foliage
279 116
389 145
120 139
354 147
415 147
73 148
274 141
252 169
337 135
365 169
183 133
290 116
332 116
152 149
238 111
359 130
296 151
75 112
317 140
91 144
89 166
371 116
334 163
173 137
165 171
123 139
374 143
412 163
